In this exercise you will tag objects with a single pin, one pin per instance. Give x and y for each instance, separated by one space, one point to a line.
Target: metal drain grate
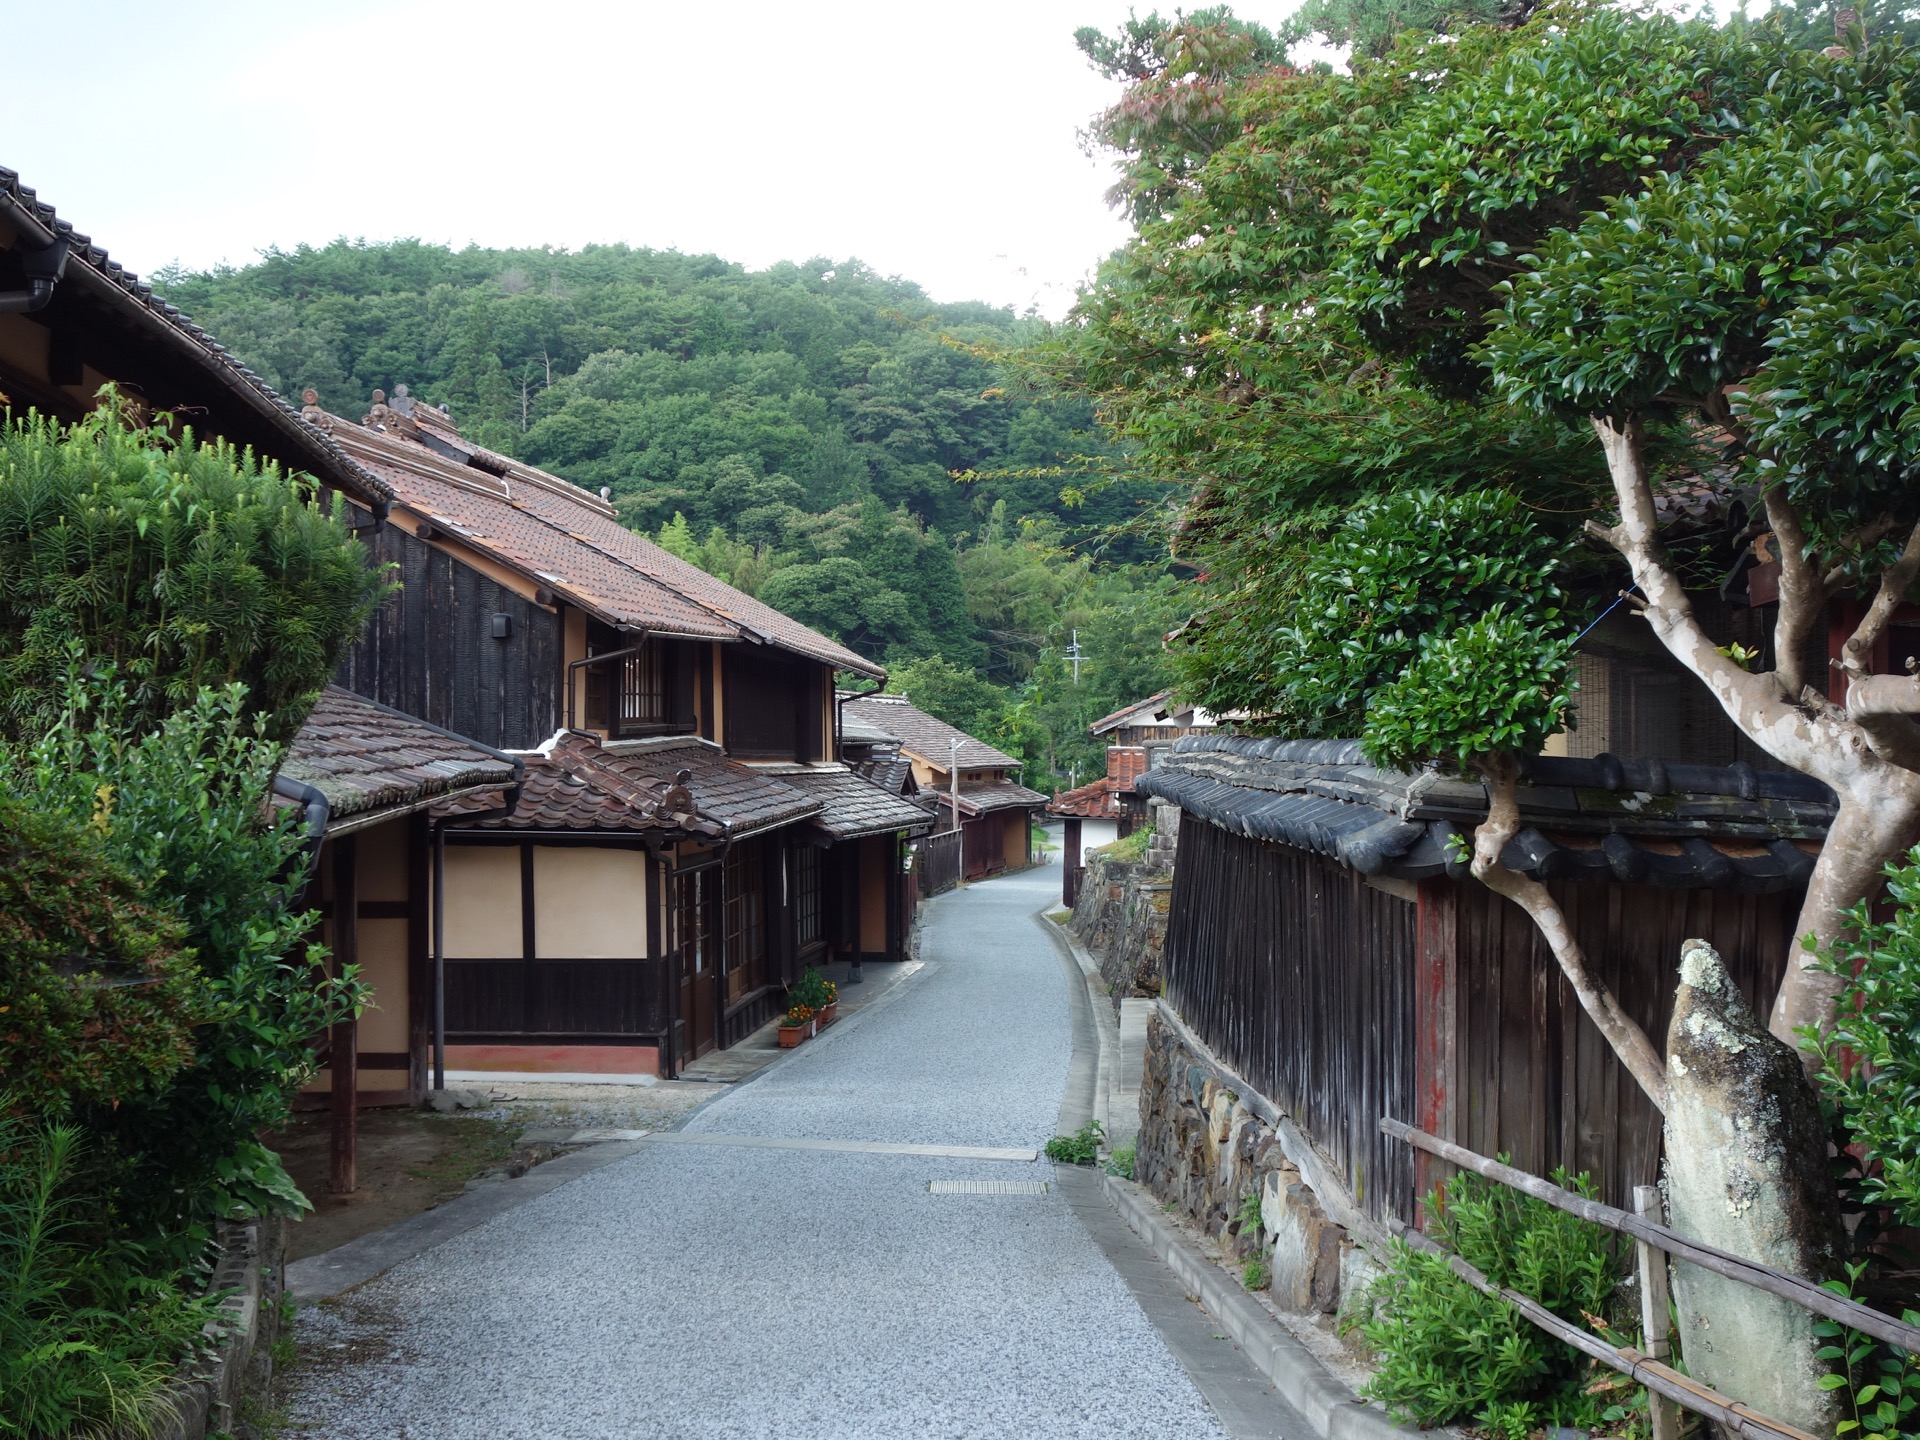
987 1187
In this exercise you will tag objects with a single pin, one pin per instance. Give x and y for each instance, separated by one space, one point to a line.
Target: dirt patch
410 1160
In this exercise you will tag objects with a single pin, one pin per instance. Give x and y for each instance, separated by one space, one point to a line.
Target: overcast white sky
935 141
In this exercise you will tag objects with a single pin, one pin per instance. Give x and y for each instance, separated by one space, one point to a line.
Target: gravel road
721 1290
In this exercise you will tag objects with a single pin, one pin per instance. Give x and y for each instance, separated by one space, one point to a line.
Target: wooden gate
939 863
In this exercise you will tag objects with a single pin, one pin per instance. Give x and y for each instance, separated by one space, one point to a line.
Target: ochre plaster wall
1014 837
483 902
589 904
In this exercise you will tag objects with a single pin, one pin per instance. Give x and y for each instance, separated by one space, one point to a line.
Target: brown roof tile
571 540
365 757
921 734
854 805
577 783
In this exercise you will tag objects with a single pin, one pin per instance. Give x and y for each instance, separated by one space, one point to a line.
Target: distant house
1160 717
967 783
687 839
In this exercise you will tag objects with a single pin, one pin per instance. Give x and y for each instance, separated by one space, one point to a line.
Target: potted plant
796 1027
818 994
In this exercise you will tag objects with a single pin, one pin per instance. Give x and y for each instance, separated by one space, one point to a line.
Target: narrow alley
769 1270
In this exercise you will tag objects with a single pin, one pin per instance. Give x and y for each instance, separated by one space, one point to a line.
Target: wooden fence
1653 1240
1299 976
939 863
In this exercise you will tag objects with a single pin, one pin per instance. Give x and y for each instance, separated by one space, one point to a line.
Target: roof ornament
310 410
378 417
679 799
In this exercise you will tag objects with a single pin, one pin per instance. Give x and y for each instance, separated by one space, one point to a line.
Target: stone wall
252 1269
1204 1151
1121 917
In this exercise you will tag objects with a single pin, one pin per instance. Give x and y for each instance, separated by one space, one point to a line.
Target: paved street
734 1289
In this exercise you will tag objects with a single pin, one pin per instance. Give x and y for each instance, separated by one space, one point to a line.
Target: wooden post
1653 1309
419 959
1070 872
344 1051
1436 991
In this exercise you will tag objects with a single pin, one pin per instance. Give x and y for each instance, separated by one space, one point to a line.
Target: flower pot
792 1035
828 1014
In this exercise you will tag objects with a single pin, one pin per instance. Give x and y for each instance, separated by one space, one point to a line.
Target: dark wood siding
1534 1078
773 704
1303 978
431 651
1300 976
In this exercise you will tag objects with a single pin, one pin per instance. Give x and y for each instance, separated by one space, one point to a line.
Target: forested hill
795 430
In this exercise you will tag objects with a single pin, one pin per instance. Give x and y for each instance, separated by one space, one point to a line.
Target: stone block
1307 1248
1358 1271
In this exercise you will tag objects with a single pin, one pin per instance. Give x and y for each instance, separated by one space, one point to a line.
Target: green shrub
1121 1161
1870 1067
1128 847
183 810
1881 1382
179 564
98 994
87 1341
1448 1352
1080 1148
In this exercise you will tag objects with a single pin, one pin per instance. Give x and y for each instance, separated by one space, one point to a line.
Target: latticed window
746 921
806 894
643 687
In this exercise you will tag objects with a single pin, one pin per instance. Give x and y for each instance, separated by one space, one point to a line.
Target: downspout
44 266
318 812
510 803
840 710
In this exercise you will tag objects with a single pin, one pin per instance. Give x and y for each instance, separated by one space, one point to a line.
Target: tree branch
1895 581
1803 591
1854 541
1755 703
1619 1029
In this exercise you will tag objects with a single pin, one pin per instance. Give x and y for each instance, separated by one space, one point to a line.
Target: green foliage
181 565
98 996
182 810
1869 1065
1497 686
1080 1148
952 693
1249 1216
1253 1275
1448 1352
88 1343
1881 1382
1128 848
1395 578
1122 1160
813 990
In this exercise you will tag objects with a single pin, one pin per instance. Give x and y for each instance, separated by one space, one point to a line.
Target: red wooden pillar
1436 992
344 1101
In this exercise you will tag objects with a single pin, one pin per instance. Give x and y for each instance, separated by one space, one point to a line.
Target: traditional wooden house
966 782
590 930
1159 719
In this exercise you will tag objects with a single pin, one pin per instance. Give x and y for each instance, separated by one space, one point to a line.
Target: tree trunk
1864 763
1618 1028
1747 1171
1866 836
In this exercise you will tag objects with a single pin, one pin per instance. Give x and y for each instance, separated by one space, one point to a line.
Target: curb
1334 1411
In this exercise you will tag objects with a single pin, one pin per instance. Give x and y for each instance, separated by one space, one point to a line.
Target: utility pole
1074 654
953 779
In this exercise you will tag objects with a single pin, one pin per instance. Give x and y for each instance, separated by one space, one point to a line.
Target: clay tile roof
1099 800
855 731
892 773
364 757
977 797
922 735
306 446
578 783
1120 717
1676 825
572 541
855 806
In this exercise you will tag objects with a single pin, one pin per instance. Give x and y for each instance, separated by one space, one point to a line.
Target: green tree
952 693
179 564
1730 237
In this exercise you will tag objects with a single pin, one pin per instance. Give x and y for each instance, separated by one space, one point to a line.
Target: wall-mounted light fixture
502 625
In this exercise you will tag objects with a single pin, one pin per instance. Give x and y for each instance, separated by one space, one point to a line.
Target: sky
934 141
